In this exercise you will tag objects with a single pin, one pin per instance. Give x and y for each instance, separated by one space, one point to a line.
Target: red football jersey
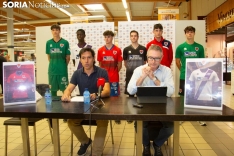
20 83
109 59
167 50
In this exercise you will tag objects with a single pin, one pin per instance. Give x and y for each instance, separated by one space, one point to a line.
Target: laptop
151 95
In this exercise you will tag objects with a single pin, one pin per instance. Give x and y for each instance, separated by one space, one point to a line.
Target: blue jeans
165 132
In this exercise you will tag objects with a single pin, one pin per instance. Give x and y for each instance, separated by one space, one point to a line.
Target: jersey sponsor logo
190 54
135 57
114 52
61 45
108 58
141 51
55 50
129 52
196 48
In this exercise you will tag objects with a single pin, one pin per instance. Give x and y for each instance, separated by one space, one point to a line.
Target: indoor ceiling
26 19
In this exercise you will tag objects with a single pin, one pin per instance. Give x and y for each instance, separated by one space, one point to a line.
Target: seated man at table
153 74
86 77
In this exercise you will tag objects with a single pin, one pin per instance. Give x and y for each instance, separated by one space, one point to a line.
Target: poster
19 83
204 83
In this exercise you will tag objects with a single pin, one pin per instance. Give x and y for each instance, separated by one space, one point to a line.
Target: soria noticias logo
32 4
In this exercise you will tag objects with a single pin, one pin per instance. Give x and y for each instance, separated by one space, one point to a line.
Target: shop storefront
223 18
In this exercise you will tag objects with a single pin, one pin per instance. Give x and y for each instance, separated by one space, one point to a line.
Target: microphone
100 84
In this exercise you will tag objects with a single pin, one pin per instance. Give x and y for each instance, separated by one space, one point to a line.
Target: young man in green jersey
58 52
186 50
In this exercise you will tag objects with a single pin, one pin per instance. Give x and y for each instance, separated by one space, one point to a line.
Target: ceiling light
81 8
61 9
125 4
128 16
94 7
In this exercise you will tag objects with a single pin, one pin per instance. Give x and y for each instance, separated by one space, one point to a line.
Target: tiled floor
217 138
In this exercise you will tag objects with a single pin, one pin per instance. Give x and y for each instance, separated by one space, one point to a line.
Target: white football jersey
205 80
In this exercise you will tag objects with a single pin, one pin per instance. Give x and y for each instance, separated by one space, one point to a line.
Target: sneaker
146 151
202 123
118 122
83 148
157 150
129 121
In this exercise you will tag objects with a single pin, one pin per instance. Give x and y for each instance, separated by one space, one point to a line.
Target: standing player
110 58
186 50
164 44
76 49
75 52
58 52
134 56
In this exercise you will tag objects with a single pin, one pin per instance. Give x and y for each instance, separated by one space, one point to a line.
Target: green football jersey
58 52
185 51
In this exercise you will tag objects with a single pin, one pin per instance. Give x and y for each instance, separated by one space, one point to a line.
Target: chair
17 122
93 123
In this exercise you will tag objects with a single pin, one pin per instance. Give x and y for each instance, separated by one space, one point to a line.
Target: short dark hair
189 28
55 26
158 26
83 50
81 30
108 33
134 31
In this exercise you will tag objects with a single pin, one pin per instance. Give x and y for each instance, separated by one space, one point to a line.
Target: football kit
58 74
203 83
75 50
167 50
109 59
134 58
20 84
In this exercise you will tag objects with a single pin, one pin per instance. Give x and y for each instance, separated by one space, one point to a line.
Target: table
116 108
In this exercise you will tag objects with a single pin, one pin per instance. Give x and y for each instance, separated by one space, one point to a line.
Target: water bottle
86 95
48 98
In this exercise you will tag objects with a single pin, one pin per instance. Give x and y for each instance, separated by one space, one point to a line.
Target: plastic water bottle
86 95
48 98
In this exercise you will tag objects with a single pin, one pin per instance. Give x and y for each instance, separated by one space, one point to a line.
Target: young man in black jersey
134 56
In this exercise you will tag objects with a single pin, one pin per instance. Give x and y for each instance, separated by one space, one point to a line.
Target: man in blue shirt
153 74
86 77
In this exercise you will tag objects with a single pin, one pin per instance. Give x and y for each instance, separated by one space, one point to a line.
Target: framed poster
19 83
204 83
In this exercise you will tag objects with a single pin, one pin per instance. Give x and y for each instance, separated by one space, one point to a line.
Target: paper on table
77 99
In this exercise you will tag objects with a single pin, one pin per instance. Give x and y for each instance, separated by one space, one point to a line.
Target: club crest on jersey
114 52
61 45
103 52
129 52
165 43
50 45
185 48
18 65
141 51
63 78
196 48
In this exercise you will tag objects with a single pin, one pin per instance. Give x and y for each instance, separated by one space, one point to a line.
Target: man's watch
155 78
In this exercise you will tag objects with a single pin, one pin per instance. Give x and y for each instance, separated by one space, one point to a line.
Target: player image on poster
19 83
203 83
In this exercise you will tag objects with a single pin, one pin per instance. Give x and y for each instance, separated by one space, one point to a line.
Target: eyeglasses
154 58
